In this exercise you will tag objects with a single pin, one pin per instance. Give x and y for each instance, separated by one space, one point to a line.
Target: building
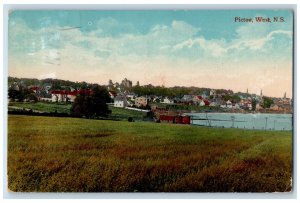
63 96
141 101
275 107
187 98
130 96
229 104
126 83
35 89
120 101
202 103
167 100
67 96
112 94
206 102
197 99
258 107
236 106
213 93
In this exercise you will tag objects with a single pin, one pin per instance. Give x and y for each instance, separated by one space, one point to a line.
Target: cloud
214 48
276 42
176 40
167 53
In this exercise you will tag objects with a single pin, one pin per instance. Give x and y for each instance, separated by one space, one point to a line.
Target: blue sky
204 48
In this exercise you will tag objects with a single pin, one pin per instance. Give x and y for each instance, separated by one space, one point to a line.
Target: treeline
174 91
177 91
56 84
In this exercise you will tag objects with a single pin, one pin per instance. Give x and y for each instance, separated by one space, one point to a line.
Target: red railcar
175 119
186 120
167 118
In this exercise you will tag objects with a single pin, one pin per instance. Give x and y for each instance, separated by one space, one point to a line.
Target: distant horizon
200 48
141 84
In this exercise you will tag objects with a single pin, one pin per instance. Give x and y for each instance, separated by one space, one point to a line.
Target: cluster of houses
130 99
212 100
66 95
282 105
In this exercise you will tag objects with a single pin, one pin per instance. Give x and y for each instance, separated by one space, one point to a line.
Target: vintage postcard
150 100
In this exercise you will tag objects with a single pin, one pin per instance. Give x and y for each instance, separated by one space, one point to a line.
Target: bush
130 119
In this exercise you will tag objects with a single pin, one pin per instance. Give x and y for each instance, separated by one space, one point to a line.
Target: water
248 121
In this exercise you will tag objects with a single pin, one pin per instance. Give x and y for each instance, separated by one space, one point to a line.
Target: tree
91 104
15 95
31 97
267 102
253 103
21 94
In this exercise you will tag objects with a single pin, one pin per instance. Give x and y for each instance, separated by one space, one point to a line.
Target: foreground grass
69 154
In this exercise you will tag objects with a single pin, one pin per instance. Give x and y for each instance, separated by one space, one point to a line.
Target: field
117 113
44 106
68 154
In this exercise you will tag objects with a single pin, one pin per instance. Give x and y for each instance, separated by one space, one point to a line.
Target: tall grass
68 154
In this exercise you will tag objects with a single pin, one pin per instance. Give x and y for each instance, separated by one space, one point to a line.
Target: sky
202 48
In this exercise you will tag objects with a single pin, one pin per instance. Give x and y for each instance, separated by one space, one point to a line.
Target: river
260 121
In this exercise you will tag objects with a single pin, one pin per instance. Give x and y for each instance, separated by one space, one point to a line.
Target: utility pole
232 118
266 123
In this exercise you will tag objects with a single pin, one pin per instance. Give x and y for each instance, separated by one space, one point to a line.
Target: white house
236 106
120 101
213 104
63 96
167 100
197 99
202 103
229 104
212 93
66 96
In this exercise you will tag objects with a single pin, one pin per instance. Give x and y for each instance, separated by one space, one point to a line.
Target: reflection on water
247 121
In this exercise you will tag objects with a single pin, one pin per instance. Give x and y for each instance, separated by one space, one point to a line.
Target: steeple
284 97
261 93
247 90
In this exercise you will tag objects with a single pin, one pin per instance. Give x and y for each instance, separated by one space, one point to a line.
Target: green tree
92 104
267 102
21 94
253 103
15 95
31 97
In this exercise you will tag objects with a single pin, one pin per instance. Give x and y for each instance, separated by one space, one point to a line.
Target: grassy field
69 154
44 106
124 114
117 113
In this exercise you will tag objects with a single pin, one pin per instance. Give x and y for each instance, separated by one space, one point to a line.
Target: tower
284 97
261 94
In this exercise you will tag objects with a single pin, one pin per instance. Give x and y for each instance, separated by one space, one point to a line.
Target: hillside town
125 95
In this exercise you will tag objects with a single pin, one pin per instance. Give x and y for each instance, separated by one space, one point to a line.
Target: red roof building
65 95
